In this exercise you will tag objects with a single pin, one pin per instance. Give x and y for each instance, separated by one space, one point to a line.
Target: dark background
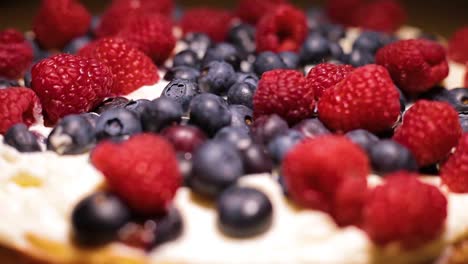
435 16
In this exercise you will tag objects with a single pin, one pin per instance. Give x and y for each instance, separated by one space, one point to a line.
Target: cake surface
40 190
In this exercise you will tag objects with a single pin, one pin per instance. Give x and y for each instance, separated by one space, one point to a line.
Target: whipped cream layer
39 191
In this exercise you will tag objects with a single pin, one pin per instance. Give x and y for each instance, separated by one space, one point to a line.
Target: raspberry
365 99
341 11
466 76
130 67
18 105
251 11
315 169
457 50
284 28
454 172
286 93
68 84
152 35
415 65
349 201
16 54
121 11
404 210
327 75
143 171
211 21
59 21
381 15
430 130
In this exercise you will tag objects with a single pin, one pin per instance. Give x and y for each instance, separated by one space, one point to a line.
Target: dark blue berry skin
250 78
169 227
137 106
256 159
333 32
73 134
389 156
315 49
76 44
266 128
216 166
243 37
23 140
282 144
198 42
464 122
311 128
223 52
316 18
110 103
27 78
337 53
117 124
358 58
363 138
6 83
186 58
241 116
182 72
235 136
368 41
241 94
290 59
244 212
161 113
458 98
182 91
95 21
39 53
436 93
91 117
267 61
403 101
209 112
97 218
217 77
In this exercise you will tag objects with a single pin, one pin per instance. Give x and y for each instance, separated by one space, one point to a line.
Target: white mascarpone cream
39 190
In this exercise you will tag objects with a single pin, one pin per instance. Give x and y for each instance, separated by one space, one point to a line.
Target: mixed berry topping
266 89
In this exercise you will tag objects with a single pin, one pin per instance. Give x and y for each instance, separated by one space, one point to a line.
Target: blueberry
290 59
95 22
458 98
244 212
368 41
256 159
216 166
436 93
250 78
91 117
27 78
464 122
185 166
117 124
110 103
184 138
223 52
337 53
186 58
217 77
198 42
363 138
241 116
316 17
282 144
242 94
389 156
6 83
403 101
161 113
315 49
333 32
39 53
181 72
266 128
267 61
98 218
358 58
169 227
73 134
234 135
76 44
19 137
138 106
182 91
243 37
209 112
311 128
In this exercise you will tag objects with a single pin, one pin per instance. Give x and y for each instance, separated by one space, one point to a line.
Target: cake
40 190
